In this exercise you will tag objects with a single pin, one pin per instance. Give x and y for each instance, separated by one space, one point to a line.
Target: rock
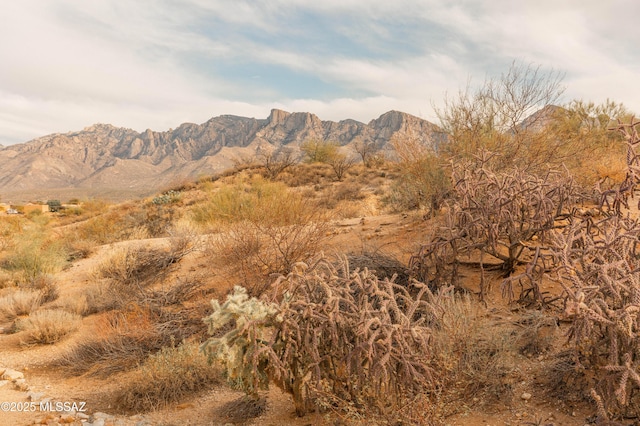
21 385
82 416
4 382
100 415
66 419
11 375
525 396
35 396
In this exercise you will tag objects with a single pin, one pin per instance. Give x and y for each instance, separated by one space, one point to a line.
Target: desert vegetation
442 278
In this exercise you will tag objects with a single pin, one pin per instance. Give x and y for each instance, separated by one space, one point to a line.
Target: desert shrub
277 160
46 285
99 298
504 115
494 213
579 135
118 223
306 174
367 150
167 377
47 326
423 181
340 340
130 270
319 151
271 229
9 226
33 255
341 164
75 247
19 303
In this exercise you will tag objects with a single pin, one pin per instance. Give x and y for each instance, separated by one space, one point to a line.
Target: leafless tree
365 148
492 117
278 160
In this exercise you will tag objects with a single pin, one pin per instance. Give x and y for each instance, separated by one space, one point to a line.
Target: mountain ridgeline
112 162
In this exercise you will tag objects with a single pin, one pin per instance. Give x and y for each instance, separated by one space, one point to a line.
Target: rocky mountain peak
106 159
278 116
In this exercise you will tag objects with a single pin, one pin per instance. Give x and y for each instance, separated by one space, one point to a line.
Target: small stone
35 396
12 375
67 419
100 415
82 416
21 385
525 396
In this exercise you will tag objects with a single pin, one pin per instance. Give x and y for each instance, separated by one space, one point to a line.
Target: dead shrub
99 298
126 338
383 265
47 326
167 377
537 333
151 320
130 270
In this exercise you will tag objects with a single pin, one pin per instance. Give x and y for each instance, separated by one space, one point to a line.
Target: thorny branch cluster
502 219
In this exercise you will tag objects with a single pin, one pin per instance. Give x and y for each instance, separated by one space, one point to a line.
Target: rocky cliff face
104 158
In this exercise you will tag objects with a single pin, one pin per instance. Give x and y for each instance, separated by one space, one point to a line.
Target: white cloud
151 64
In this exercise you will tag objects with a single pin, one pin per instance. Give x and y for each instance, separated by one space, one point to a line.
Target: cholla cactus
493 213
328 336
240 350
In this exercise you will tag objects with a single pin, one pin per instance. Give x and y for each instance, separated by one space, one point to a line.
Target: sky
67 64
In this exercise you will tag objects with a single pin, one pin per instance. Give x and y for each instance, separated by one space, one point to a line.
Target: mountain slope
103 158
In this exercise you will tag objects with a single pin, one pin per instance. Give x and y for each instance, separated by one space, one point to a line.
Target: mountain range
118 163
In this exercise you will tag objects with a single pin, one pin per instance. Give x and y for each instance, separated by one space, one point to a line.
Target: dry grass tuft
47 326
19 303
475 356
168 377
